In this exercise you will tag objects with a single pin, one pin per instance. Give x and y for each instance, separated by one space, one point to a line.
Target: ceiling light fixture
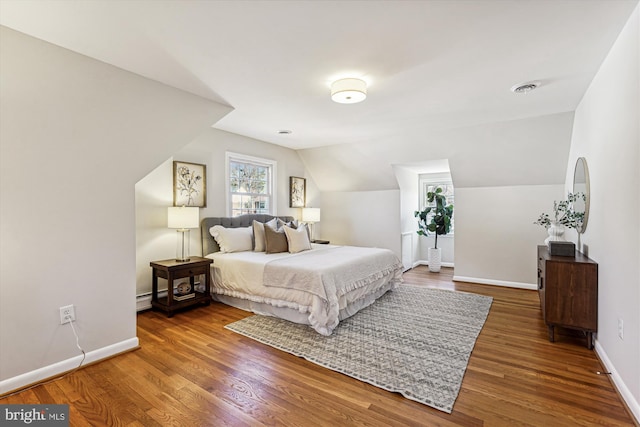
284 132
525 87
348 91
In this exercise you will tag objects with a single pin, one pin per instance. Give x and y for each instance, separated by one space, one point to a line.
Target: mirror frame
582 161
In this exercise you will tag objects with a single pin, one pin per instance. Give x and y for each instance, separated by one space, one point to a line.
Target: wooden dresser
568 290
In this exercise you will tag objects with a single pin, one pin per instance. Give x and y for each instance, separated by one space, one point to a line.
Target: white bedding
347 283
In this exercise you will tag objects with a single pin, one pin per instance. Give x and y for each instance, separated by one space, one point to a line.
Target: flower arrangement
563 213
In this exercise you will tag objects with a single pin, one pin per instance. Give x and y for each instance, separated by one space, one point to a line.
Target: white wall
409 203
495 236
362 218
154 241
154 194
409 197
607 133
75 136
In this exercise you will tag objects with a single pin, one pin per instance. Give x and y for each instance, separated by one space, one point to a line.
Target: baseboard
629 400
422 262
143 302
494 282
51 371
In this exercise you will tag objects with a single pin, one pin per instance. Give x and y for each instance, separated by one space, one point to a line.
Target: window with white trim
250 185
428 183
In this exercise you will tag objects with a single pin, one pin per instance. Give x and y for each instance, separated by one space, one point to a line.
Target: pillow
281 223
297 239
275 240
259 244
233 239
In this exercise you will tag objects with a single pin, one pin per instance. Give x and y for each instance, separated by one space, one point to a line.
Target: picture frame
189 184
297 192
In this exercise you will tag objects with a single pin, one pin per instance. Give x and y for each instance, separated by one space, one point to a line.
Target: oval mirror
581 185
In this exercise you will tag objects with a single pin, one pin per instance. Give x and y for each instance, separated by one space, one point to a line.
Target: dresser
568 290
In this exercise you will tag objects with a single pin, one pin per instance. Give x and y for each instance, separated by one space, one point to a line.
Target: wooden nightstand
321 242
171 270
568 291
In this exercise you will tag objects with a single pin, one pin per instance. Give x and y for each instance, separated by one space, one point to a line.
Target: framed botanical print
189 184
297 192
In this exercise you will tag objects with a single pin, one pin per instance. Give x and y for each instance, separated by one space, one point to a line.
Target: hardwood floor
191 371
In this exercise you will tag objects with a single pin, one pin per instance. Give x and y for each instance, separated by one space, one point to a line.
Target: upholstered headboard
209 244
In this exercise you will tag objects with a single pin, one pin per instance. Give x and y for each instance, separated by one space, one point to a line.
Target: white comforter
320 282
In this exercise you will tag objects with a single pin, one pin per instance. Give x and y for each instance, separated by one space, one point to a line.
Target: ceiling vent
525 87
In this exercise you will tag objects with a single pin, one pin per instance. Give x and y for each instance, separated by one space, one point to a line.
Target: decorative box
562 248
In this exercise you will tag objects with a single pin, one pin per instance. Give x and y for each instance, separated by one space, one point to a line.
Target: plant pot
435 259
556 233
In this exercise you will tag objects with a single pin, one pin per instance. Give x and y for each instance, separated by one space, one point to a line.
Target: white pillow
233 239
258 234
298 238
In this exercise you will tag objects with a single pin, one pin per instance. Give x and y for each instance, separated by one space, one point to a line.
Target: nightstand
321 242
172 270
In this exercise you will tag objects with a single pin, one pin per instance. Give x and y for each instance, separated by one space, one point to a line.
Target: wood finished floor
190 371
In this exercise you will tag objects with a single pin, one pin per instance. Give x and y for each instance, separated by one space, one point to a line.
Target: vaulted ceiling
431 66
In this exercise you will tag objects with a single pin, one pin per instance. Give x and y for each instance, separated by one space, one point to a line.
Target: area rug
415 341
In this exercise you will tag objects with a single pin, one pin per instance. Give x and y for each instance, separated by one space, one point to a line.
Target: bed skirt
296 316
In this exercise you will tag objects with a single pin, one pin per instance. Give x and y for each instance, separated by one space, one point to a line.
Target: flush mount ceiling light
348 91
525 87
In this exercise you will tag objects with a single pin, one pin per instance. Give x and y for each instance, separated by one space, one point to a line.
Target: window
250 185
429 182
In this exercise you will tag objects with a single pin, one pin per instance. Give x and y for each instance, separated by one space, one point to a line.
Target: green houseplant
435 219
564 215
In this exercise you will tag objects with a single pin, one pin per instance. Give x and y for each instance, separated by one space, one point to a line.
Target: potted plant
435 219
563 216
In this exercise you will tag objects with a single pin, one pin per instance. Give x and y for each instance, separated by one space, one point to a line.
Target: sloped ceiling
432 66
530 151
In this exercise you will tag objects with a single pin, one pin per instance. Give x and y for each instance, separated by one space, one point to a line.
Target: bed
319 286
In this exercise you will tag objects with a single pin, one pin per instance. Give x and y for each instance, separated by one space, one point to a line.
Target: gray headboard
209 244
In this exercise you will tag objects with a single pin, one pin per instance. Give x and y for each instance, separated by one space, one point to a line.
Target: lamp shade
310 214
348 91
183 217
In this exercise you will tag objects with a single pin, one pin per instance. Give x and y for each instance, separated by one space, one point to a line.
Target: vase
556 233
435 259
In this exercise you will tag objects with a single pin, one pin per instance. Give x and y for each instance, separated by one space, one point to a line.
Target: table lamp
182 219
311 216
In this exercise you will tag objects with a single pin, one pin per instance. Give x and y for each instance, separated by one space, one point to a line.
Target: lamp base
310 227
182 245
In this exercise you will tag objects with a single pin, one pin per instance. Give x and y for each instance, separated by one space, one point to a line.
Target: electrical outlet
67 314
620 328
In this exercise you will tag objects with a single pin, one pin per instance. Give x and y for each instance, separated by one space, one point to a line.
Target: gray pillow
275 240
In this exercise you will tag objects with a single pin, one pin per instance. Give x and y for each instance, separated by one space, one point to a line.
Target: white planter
556 233
435 259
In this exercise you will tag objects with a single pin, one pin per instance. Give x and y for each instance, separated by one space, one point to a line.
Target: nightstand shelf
172 270
163 302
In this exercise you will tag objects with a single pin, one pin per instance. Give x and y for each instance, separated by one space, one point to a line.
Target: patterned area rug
415 341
